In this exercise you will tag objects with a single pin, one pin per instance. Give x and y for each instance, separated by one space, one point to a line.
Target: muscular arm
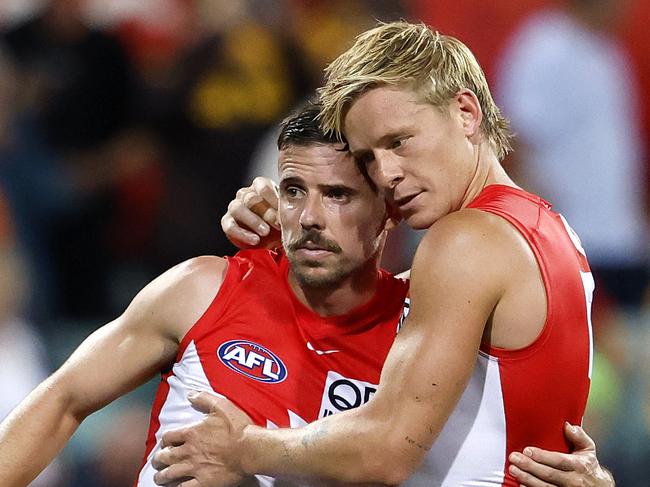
454 288
112 361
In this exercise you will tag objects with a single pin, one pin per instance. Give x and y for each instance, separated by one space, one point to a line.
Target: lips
311 254
311 246
312 251
405 200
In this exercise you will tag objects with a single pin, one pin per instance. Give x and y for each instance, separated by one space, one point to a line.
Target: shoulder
176 299
471 231
467 245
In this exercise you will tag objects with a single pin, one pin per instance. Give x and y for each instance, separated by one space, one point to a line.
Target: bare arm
423 377
112 361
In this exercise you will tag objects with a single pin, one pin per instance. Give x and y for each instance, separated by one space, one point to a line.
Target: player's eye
293 192
398 143
338 195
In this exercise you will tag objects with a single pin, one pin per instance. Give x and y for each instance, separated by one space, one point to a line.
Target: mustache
315 237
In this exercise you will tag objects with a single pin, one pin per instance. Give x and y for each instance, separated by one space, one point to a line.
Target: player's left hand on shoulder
203 454
542 468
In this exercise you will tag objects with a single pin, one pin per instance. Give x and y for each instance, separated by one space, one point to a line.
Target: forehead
383 110
320 164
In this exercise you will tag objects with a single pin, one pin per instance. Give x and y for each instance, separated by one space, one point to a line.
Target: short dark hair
302 128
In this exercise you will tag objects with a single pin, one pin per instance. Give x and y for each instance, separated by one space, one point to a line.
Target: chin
419 221
317 279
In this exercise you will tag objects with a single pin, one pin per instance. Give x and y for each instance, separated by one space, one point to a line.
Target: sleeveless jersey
280 362
519 398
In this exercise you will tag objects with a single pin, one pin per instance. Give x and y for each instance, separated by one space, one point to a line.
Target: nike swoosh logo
320 352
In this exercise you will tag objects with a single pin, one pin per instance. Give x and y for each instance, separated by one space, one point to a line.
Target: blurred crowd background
127 126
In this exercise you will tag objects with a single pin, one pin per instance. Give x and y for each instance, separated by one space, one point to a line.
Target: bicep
435 352
143 340
112 361
426 372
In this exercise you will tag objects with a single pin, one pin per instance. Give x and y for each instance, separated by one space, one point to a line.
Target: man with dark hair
289 337
496 351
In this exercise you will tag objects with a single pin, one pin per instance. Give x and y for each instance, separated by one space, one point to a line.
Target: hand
251 219
203 454
542 468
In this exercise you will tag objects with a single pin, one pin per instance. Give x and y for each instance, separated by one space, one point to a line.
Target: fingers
203 401
262 199
245 217
166 456
171 469
238 235
252 215
527 479
219 405
578 438
268 214
173 437
190 483
267 190
534 472
555 460
179 472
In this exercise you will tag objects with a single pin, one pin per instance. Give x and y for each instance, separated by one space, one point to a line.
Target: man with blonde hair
496 351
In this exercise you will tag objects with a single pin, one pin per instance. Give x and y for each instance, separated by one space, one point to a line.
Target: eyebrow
291 180
383 140
324 188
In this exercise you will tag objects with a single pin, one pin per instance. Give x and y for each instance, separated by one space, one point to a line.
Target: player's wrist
249 451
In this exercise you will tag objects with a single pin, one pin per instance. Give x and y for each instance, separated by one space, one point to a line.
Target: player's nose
388 171
311 215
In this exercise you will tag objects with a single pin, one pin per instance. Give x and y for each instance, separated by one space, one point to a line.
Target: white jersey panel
471 449
187 375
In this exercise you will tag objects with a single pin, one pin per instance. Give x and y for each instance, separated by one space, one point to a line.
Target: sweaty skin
323 192
137 344
474 278
534 467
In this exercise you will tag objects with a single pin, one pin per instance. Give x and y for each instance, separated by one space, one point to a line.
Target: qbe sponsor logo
252 360
342 393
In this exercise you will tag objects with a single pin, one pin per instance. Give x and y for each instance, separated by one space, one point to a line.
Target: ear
470 112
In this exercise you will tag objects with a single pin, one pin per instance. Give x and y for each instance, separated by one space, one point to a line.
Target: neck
487 170
353 291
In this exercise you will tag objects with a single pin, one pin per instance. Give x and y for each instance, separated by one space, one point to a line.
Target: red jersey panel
520 398
280 362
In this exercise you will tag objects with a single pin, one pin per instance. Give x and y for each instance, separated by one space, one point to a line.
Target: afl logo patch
252 360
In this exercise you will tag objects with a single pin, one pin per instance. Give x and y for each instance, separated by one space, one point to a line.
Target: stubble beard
333 274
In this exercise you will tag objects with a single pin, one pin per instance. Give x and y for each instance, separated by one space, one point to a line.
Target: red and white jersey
280 362
519 398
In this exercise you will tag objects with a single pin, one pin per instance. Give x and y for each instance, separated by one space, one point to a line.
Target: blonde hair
412 55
